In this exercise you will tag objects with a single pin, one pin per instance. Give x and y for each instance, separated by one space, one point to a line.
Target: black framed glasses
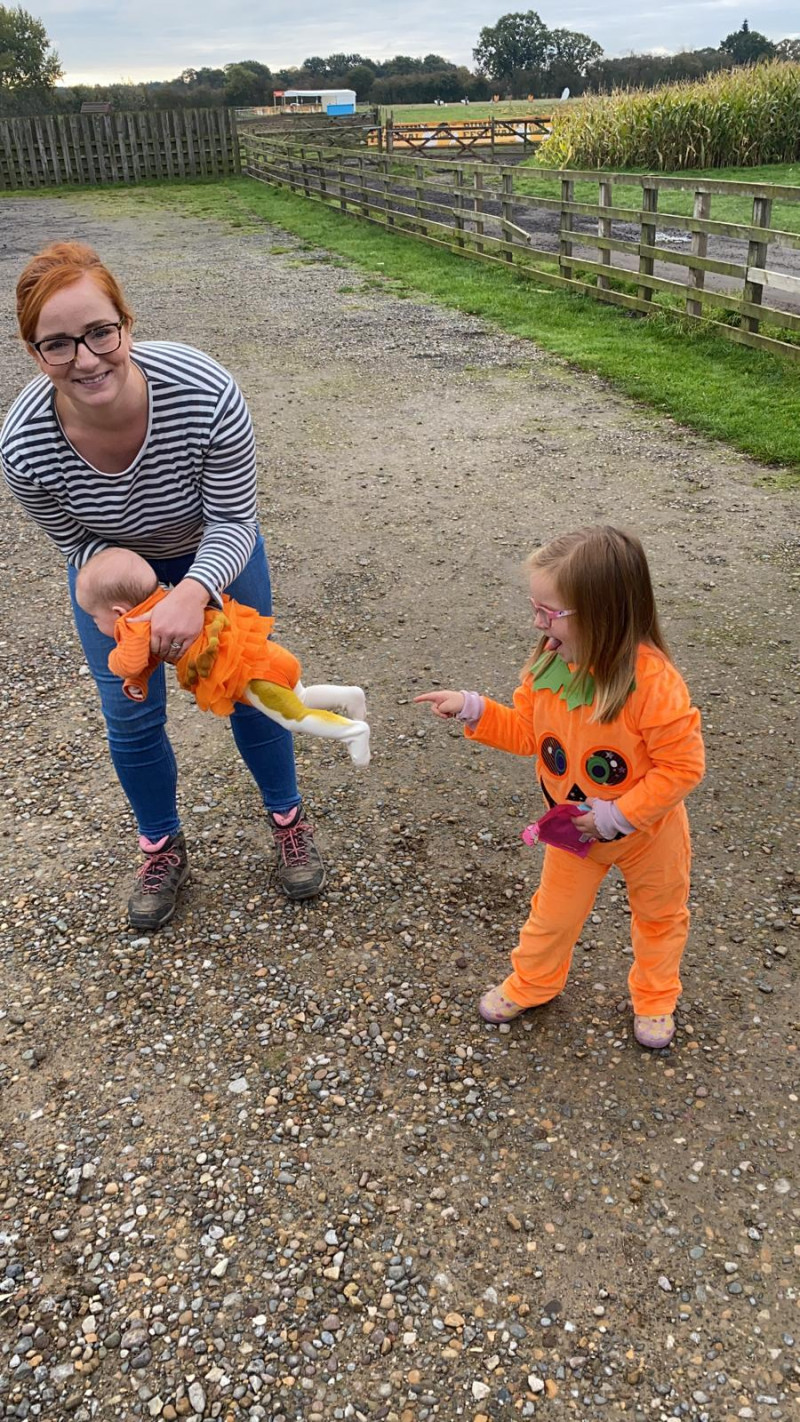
101 340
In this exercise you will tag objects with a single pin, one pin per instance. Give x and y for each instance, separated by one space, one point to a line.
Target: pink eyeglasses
550 614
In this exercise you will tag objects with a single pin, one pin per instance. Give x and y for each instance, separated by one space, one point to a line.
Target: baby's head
111 583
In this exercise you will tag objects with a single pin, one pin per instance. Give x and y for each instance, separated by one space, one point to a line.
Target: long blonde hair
602 574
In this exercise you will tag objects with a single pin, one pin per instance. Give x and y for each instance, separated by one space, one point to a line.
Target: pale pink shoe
495 1007
654 1032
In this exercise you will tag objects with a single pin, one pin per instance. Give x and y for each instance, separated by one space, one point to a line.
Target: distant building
328 101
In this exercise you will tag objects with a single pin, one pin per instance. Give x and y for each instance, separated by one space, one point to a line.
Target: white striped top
190 489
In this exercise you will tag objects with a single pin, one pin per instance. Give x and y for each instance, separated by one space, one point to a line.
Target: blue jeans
140 750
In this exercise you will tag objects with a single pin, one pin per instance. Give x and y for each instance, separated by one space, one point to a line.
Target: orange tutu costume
232 650
233 660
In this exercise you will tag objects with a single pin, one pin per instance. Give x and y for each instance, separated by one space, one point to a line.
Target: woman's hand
177 620
445 704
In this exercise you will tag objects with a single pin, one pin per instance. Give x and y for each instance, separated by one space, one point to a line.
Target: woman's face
89 380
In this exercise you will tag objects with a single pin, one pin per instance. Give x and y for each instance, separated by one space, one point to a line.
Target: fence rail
485 213
96 149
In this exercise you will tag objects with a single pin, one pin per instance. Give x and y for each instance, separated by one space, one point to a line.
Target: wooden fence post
459 206
647 239
387 194
696 277
604 230
390 134
236 155
342 183
419 173
479 225
507 208
757 257
565 228
363 187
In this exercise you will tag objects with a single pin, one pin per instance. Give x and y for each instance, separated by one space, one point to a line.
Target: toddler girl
609 719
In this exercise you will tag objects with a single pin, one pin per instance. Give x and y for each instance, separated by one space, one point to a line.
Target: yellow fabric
289 706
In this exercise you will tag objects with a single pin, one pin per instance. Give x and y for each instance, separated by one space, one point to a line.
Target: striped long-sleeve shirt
190 489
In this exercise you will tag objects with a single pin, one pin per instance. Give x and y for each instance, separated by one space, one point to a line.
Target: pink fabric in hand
556 828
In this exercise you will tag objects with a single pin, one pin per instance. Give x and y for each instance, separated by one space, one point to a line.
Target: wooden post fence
487 214
95 150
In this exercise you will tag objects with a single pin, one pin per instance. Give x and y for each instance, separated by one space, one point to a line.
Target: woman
150 447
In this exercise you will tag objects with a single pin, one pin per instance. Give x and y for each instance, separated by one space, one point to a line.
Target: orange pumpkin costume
233 660
647 759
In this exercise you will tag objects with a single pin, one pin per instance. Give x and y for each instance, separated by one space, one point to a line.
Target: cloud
148 39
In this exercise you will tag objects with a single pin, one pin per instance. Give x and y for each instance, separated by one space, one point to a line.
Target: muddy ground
270 1163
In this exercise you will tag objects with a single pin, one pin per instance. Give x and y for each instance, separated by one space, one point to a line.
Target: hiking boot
301 871
155 892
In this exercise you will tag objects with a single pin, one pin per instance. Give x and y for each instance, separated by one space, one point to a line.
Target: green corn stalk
740 117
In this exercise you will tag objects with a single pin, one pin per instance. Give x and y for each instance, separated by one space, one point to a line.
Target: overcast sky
148 39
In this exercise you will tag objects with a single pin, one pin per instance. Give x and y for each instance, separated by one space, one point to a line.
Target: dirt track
270 1164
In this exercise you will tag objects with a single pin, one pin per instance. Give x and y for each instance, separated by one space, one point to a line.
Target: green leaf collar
551 673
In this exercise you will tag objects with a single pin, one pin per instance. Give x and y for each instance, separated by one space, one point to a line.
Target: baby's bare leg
349 699
286 707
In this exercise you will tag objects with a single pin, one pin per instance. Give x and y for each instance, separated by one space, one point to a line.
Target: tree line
517 56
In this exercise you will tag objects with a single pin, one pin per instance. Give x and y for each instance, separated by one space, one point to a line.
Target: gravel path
270 1164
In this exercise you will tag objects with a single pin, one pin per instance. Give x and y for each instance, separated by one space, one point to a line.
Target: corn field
738 118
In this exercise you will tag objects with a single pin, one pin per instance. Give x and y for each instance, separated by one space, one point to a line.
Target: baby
233 659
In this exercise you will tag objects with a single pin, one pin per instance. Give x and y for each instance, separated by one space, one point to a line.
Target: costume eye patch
606 767
554 757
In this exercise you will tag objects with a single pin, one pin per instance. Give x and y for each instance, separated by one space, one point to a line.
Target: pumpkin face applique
600 768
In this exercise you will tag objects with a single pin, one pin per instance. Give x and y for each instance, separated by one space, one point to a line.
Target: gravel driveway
270 1164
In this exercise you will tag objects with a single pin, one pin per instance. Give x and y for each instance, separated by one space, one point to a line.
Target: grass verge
749 399
734 208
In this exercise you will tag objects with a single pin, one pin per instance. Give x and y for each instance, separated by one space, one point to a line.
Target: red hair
56 267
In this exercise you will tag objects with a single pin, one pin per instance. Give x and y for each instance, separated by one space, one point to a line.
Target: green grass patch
750 399
734 208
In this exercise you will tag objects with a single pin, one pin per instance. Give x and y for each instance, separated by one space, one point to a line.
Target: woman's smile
92 379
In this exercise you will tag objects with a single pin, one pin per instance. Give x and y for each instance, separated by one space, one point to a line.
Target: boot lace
156 869
291 841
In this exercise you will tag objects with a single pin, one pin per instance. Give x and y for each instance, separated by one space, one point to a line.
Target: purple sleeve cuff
472 710
609 819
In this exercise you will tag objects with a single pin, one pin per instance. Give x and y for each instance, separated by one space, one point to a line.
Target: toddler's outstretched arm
306 709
